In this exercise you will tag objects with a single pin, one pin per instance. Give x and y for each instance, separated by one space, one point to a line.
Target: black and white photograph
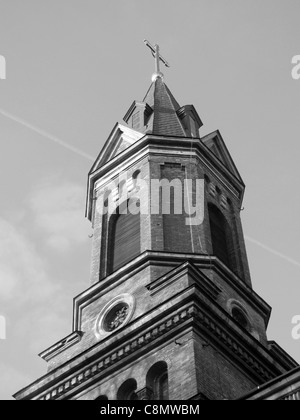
149 219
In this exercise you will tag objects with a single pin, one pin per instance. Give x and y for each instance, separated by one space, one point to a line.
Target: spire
159 113
164 119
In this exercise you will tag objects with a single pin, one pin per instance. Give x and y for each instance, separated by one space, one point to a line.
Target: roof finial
158 58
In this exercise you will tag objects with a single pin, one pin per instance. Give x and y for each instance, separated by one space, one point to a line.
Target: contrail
273 251
87 156
46 135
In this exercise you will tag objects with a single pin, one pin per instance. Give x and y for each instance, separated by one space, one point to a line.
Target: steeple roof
160 114
164 120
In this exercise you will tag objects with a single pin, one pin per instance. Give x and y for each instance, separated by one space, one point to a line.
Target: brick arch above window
101 398
240 314
127 391
157 381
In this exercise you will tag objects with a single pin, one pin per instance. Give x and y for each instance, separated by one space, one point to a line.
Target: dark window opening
158 381
125 241
135 177
240 318
127 391
102 398
219 229
162 387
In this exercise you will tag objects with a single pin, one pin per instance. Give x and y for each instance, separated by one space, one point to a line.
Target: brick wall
180 359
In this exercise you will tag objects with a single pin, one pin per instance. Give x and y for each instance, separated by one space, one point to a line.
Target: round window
240 317
116 317
116 314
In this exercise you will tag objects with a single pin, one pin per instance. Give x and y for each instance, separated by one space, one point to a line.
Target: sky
73 69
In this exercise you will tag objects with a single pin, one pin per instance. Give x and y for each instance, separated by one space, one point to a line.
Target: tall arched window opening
158 381
127 391
125 241
219 235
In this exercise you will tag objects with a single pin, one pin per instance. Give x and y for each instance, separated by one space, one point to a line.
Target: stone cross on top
158 58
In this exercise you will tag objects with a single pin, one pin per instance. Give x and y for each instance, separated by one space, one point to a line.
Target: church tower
170 313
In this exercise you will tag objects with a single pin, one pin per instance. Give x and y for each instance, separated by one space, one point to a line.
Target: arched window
125 241
135 177
107 202
219 234
240 317
158 381
121 189
207 179
162 387
127 391
102 398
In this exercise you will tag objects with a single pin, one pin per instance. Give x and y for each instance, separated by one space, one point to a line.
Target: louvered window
157 382
126 239
136 121
219 235
162 391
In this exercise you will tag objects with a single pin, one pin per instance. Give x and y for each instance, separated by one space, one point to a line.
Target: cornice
149 258
206 286
188 314
151 144
62 345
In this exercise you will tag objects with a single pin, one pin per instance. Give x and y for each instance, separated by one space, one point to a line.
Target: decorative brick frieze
189 313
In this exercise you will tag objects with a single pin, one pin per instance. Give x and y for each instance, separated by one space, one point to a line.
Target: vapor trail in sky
47 135
273 251
87 156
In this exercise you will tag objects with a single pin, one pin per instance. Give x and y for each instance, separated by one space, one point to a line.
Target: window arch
219 235
135 177
158 381
127 391
102 398
125 236
240 317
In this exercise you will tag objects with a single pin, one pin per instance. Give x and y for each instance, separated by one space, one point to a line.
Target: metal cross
158 59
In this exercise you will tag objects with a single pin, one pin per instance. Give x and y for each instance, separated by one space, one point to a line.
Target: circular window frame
233 303
126 299
240 317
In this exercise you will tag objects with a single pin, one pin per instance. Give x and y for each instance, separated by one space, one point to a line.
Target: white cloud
59 214
22 270
38 306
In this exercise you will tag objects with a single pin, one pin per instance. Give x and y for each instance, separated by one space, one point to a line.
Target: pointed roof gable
164 121
119 140
159 113
215 143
